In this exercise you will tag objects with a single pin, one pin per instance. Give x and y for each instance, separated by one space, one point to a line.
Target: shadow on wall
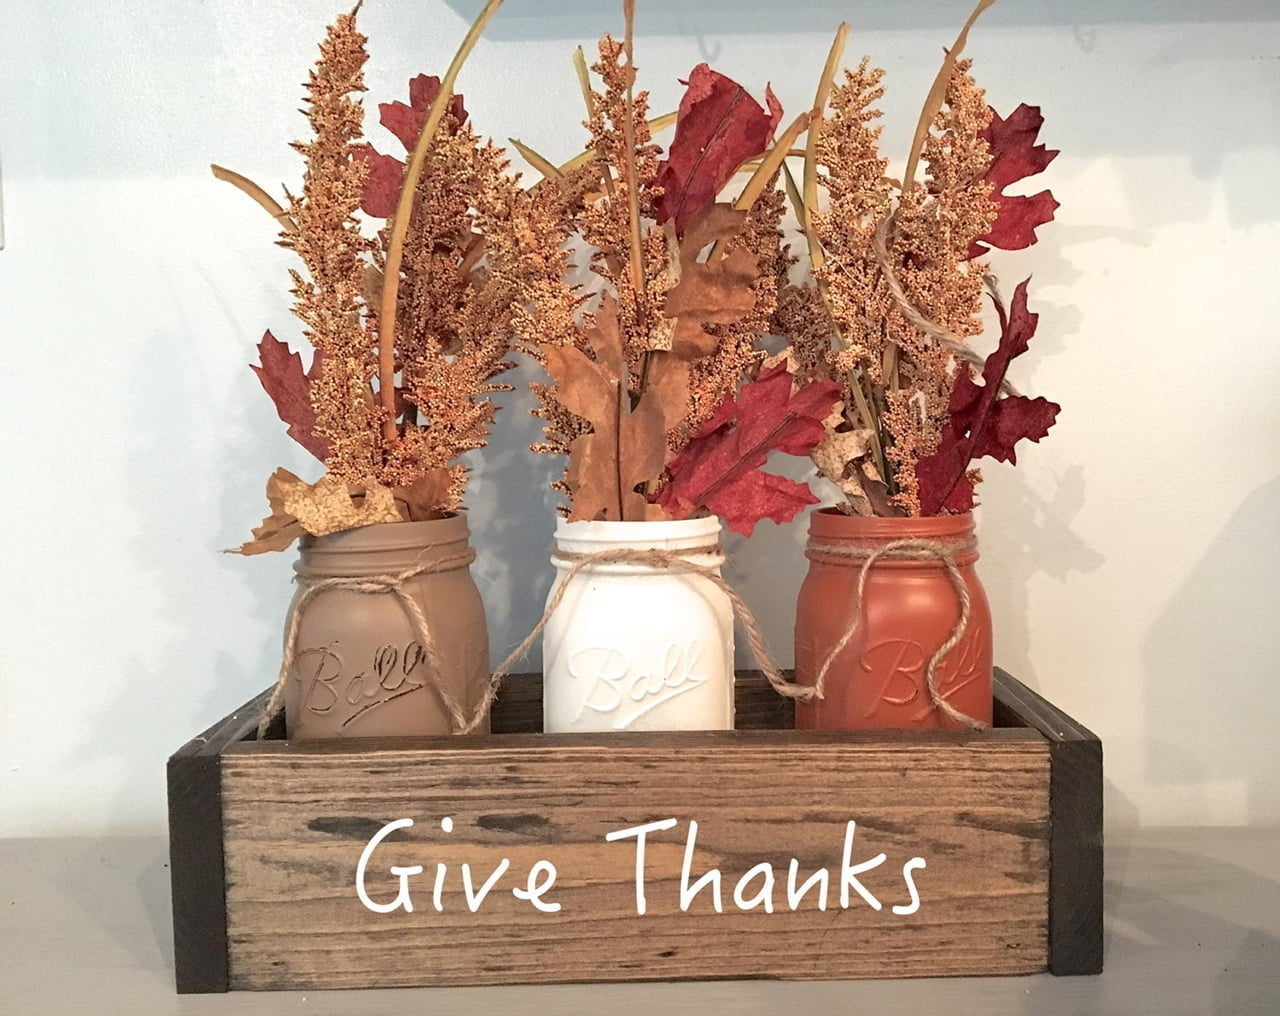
571 19
1210 678
214 619
1109 90
1024 534
512 515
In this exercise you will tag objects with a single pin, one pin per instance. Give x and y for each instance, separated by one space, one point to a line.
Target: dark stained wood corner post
1075 819
197 872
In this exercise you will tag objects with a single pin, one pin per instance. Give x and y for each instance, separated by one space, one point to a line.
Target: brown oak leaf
626 446
326 506
715 289
422 499
279 529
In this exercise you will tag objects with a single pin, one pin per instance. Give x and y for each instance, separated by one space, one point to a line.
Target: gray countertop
1193 926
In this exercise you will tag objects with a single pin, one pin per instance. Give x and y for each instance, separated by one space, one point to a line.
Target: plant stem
585 158
588 98
259 195
863 401
535 159
811 142
859 387
400 224
617 441
635 262
773 160
937 94
793 194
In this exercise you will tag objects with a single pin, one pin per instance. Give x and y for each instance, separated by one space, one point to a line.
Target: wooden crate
266 837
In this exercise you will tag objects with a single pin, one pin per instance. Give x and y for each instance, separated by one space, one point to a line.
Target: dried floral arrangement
898 279
659 393
409 330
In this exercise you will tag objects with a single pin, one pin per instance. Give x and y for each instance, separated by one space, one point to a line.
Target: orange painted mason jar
910 607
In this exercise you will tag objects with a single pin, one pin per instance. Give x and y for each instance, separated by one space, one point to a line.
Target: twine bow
673 561
911 549
374 585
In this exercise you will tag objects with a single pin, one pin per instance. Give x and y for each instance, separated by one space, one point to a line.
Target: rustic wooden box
266 836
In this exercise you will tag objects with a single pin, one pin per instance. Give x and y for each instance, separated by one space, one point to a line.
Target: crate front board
266 868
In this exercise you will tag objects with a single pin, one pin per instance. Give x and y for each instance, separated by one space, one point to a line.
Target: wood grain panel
296 818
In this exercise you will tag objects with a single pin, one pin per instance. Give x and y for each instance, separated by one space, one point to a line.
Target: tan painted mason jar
360 668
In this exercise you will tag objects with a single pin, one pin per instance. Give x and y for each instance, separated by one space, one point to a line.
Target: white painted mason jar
637 646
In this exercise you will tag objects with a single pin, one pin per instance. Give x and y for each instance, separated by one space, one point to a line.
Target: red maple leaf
983 422
1015 156
282 376
382 184
406 122
719 126
386 173
719 469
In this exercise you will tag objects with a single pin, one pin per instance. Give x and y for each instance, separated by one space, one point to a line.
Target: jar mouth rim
388 537
831 523
638 532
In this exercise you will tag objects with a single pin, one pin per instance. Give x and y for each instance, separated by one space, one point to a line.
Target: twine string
676 561
373 585
910 549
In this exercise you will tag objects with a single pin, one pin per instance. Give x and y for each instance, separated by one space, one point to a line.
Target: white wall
1132 559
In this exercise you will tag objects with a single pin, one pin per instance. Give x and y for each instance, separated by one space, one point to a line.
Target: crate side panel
296 823
1076 943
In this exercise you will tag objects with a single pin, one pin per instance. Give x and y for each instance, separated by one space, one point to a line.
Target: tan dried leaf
840 450
329 506
717 291
371 292
626 447
838 459
787 357
668 389
655 513
279 529
876 492
422 499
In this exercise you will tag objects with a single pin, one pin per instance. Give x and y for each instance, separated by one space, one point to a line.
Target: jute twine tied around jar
907 549
672 561
375 585
667 560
